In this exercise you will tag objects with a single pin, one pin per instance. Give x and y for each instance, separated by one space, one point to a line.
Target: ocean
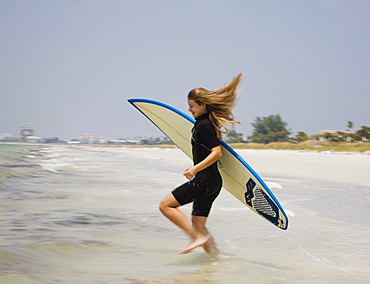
89 214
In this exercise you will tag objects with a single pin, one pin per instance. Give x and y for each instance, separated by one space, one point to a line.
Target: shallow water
89 215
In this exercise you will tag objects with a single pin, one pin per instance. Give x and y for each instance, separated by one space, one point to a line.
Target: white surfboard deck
238 177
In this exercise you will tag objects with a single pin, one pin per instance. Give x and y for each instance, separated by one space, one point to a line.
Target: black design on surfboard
261 202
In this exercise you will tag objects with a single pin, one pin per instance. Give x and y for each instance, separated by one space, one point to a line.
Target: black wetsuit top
204 138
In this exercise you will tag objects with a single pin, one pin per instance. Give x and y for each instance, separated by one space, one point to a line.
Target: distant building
328 134
6 137
34 139
336 131
94 139
26 131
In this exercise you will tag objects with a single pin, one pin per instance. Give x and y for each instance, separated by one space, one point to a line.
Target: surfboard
238 176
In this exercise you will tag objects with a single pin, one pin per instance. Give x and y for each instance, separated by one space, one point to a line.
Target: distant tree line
156 141
360 135
273 129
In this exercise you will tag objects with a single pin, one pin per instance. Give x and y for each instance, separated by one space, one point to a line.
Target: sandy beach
346 167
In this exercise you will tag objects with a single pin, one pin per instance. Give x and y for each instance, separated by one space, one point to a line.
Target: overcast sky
68 67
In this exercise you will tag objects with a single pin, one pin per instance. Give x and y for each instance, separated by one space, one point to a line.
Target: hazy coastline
340 147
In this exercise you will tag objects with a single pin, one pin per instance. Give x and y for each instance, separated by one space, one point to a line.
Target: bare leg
195 229
168 207
199 224
210 247
203 237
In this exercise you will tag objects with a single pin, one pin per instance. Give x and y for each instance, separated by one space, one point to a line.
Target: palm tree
349 125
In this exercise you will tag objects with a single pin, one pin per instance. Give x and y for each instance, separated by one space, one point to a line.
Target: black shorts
202 191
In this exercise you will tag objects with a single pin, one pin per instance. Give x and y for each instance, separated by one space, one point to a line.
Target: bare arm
215 154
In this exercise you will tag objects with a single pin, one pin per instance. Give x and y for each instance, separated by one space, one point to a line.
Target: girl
211 110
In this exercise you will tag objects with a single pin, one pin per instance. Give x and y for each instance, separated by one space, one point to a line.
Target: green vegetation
156 141
300 137
271 133
307 146
269 129
361 135
303 146
234 137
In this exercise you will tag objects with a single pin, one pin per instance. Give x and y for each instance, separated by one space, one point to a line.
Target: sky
68 67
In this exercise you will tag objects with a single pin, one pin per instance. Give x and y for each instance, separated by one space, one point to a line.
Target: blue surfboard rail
223 143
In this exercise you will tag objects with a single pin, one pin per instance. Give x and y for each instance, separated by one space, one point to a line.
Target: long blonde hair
220 104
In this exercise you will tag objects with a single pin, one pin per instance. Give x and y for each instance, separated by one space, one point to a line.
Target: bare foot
211 248
199 242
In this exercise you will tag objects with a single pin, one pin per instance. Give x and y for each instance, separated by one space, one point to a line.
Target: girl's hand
215 154
190 173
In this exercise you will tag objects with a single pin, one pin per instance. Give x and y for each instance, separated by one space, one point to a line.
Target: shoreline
339 147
